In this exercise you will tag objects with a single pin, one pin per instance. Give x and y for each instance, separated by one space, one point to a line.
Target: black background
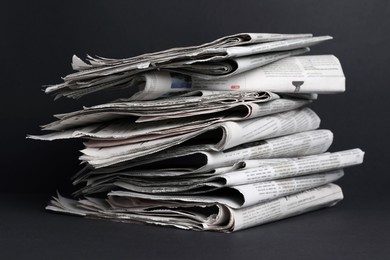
38 39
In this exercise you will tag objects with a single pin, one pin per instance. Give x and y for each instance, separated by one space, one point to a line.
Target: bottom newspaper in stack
193 187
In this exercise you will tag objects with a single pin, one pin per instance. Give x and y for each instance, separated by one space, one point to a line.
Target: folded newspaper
302 74
201 215
221 58
213 137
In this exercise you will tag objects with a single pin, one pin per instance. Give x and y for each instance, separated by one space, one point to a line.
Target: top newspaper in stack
312 74
225 57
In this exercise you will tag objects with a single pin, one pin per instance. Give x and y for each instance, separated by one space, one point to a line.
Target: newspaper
201 159
222 136
224 42
199 216
302 74
230 65
210 137
292 205
124 130
194 103
243 195
101 73
255 171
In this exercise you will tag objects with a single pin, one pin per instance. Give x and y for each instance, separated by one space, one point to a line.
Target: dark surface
348 231
38 40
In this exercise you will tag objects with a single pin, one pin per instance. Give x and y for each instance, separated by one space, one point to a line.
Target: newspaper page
229 66
104 73
131 130
190 104
294 167
260 171
324 196
245 110
200 159
254 171
223 136
253 49
184 215
302 74
147 60
203 159
242 195
226 41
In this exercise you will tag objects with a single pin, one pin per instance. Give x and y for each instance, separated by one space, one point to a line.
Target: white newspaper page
258 171
229 66
324 196
101 73
205 161
275 46
294 167
259 192
233 134
191 104
302 74
130 130
184 215
253 49
103 66
300 144
245 110
239 196
267 127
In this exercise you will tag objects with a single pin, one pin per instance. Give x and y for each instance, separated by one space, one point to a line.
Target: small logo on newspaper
235 87
180 81
297 85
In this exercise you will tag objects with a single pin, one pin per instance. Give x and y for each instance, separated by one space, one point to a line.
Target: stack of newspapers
212 137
